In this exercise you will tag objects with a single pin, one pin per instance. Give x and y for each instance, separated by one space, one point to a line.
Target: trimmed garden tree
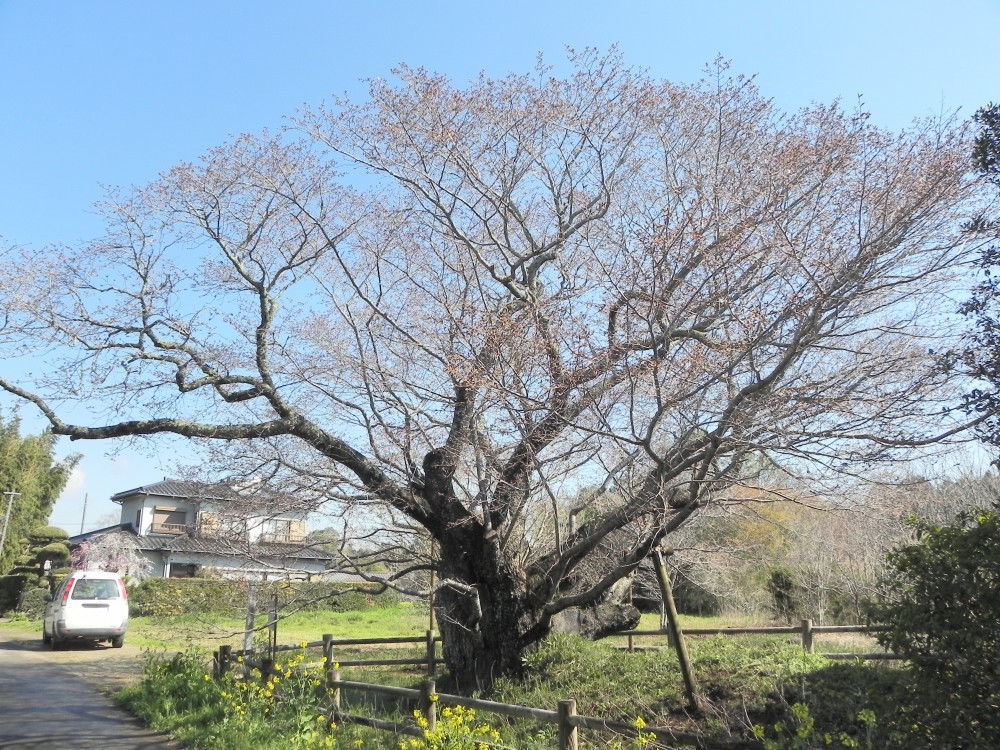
943 612
450 308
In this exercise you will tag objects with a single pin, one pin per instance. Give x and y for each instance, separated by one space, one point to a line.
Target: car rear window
102 588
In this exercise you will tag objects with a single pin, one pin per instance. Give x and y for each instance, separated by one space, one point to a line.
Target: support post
676 634
807 636
328 659
428 703
431 666
569 738
272 628
335 692
251 619
225 660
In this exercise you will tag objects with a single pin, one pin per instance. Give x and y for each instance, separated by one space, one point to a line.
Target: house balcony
282 537
169 528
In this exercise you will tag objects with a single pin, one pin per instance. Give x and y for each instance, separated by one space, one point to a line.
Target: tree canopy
982 350
450 308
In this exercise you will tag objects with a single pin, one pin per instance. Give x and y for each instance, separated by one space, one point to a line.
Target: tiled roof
178 488
88 535
215 546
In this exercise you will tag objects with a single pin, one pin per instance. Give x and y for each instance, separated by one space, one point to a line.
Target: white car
88 605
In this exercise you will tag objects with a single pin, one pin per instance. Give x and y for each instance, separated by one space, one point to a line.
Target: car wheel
46 638
118 641
57 643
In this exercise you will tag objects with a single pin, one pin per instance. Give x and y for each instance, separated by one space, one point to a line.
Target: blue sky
109 92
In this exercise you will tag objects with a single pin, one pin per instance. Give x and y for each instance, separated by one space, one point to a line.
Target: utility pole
10 495
83 516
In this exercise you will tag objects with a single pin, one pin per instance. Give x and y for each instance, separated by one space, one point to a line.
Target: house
184 528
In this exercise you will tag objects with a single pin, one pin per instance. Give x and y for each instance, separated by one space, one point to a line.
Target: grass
187 631
743 680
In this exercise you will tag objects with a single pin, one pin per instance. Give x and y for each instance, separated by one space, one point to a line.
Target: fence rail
806 630
565 717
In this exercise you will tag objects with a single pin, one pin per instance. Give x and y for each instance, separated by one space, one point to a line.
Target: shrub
785 593
942 610
32 603
11 587
164 597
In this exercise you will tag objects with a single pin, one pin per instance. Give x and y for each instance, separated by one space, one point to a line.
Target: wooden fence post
428 703
251 621
807 636
266 669
328 658
676 634
431 666
569 738
335 692
225 660
272 628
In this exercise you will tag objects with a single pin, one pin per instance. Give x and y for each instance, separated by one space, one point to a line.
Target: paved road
50 700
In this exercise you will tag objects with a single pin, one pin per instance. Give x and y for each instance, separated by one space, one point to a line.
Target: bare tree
450 308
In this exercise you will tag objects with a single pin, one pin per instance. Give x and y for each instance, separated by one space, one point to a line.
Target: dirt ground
110 669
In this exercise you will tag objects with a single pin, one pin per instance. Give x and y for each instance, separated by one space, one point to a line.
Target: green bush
166 597
11 587
786 594
943 611
32 603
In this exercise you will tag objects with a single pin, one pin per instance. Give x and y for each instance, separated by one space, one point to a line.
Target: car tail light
121 586
69 589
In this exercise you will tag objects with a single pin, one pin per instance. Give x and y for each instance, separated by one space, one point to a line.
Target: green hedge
33 603
164 597
11 587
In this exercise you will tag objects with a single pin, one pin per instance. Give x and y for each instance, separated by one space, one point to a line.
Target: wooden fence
564 716
568 722
806 630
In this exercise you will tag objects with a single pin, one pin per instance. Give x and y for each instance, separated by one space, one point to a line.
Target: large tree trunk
486 629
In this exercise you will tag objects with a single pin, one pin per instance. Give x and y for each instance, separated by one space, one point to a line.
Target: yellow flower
639 723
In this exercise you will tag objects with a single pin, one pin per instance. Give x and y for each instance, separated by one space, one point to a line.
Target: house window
183 570
169 521
232 527
282 530
138 520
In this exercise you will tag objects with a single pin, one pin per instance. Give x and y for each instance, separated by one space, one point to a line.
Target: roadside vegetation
750 685
758 691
